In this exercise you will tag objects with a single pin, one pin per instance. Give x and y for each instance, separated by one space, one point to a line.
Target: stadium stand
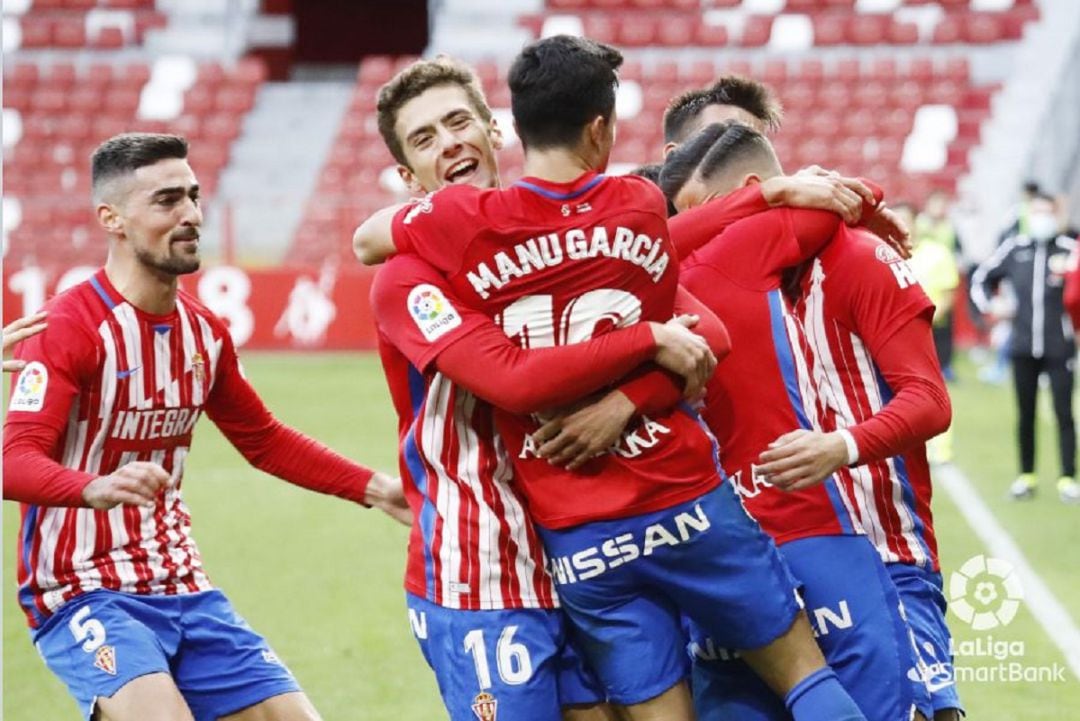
66 88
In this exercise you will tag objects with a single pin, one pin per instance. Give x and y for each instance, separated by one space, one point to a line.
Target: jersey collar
562 191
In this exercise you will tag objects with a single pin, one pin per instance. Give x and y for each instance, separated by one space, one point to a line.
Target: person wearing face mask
1035 262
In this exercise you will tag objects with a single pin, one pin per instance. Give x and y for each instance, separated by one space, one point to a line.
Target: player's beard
176 260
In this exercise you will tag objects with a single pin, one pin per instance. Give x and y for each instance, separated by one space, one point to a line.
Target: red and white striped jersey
118 385
854 297
472 545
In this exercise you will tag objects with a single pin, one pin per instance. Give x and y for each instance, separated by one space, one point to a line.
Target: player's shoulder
196 306
641 190
79 309
401 270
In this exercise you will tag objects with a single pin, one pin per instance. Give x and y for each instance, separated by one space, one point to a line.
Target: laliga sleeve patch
29 392
434 315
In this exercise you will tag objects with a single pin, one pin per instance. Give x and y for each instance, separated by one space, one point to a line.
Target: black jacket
1036 271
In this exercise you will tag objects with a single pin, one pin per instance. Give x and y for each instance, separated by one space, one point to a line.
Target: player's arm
373 240
467 347
275 448
989 274
58 362
1071 291
693 228
919 410
572 438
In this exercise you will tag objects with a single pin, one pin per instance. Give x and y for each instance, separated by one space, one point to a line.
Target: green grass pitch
322 579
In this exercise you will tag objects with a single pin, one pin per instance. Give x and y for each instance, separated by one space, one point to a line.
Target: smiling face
445 141
154 213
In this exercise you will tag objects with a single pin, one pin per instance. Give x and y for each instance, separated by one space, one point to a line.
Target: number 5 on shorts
512 659
91 631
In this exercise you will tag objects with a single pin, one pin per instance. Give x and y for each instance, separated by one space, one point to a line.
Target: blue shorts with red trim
102 640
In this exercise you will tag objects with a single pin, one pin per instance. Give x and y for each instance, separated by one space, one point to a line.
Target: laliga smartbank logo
985 593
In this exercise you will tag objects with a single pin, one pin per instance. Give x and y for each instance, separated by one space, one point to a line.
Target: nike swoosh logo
124 374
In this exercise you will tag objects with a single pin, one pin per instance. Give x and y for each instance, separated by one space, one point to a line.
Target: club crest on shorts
105 659
485 706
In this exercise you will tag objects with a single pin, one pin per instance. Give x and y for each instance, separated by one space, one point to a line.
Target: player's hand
684 352
887 225
136 484
573 439
19 330
388 495
801 458
820 192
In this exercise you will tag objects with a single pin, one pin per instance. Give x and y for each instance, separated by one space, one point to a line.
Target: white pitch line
1044 606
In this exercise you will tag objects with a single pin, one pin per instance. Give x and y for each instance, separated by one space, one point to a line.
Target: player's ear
495 133
409 179
668 147
109 218
751 179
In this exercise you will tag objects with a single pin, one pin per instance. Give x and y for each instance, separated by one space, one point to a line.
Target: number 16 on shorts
512 659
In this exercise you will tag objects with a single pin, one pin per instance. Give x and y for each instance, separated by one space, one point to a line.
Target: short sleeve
438 227
60 360
885 293
417 311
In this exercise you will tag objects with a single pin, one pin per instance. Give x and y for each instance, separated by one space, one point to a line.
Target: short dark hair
716 149
651 172
126 153
558 85
750 95
416 79
683 161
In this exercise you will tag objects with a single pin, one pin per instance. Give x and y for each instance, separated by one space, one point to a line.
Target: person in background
933 226
934 264
1035 264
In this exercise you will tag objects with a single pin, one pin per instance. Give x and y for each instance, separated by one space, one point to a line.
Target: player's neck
558 165
148 290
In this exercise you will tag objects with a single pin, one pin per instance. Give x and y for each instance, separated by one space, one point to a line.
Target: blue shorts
515 662
924 603
855 612
102 640
626 583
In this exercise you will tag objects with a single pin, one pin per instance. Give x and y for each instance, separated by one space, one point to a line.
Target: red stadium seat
921 69
199 100
756 31
36 32
236 100
249 71
775 72
69 33
957 69
108 38
882 69
699 73
710 36
868 29
949 30
830 29
375 70
636 30
847 70
97 75
601 28
85 99
899 33
983 28
21 75
677 31
48 100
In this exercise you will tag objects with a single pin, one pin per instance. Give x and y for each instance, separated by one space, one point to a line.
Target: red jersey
854 297
471 545
763 389
557 264
108 384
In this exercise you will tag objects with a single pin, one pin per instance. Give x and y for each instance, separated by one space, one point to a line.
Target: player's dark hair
716 149
651 172
1031 187
123 154
558 85
417 79
683 161
750 95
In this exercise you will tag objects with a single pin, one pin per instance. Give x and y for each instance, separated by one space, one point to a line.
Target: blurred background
961 109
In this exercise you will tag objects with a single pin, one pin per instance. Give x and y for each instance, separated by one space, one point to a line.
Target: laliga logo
985 593
427 305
